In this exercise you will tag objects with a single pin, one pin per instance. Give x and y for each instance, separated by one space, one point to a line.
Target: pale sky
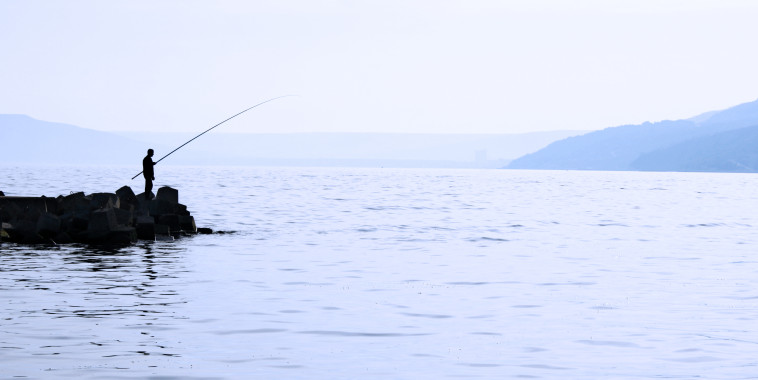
427 66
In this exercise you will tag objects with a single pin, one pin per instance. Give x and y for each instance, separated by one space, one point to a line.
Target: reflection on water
85 303
138 277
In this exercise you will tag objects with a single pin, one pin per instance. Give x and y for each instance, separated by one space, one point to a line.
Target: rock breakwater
100 218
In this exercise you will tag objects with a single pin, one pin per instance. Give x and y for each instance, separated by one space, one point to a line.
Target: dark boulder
29 208
187 223
124 217
24 231
127 198
103 200
145 227
168 194
71 202
10 211
104 228
161 207
162 230
170 220
63 238
101 222
48 225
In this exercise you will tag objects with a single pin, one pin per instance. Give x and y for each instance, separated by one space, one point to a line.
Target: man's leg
148 188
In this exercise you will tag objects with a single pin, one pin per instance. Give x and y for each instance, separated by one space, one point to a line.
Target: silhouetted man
149 173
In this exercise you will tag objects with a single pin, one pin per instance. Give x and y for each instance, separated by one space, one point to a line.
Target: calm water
396 273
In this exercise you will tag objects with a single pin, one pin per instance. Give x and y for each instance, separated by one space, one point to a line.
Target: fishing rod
209 129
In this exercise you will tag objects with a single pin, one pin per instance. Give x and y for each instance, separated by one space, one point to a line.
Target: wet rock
145 226
3 233
164 238
122 236
187 223
63 238
162 229
204 231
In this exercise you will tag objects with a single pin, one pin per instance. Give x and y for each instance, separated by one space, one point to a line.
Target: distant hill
27 140
358 149
731 151
713 141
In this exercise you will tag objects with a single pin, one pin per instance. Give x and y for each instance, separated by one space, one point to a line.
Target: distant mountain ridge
718 141
26 140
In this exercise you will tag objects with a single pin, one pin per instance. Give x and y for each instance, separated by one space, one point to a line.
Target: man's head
149 152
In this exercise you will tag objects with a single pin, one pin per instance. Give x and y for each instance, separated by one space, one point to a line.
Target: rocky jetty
100 218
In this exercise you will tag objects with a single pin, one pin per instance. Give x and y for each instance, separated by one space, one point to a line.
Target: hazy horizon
423 66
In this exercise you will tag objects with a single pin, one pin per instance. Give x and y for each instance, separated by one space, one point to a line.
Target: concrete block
31 214
168 194
104 200
162 229
79 220
187 223
10 211
181 209
48 225
171 220
24 231
123 217
145 227
26 204
3 233
29 208
70 202
127 198
77 206
161 207
141 197
164 238
63 238
101 223
122 236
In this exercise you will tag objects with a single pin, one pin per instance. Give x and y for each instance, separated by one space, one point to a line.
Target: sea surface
332 273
